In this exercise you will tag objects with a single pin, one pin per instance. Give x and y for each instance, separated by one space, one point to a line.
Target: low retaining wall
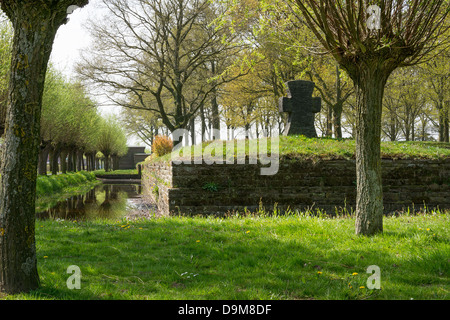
328 185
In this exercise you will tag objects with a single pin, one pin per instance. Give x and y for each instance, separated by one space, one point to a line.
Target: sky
71 39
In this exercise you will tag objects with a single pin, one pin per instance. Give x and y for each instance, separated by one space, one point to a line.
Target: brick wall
327 185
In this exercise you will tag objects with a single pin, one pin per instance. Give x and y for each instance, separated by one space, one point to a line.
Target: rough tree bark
35 25
369 201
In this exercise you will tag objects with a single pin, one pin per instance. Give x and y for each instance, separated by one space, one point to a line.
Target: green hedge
50 184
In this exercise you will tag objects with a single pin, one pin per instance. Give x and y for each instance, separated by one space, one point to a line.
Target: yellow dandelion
354 273
248 231
197 241
319 272
362 287
428 229
45 257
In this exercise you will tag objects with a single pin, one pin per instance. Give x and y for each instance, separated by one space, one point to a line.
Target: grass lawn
302 148
252 257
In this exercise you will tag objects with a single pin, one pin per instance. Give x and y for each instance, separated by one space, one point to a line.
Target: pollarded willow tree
370 39
35 23
111 141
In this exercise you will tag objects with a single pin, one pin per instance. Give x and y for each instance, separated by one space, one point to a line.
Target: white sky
71 39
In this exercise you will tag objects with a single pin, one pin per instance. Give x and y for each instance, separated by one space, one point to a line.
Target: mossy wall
328 185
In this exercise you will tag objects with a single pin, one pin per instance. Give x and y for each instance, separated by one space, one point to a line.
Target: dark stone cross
301 107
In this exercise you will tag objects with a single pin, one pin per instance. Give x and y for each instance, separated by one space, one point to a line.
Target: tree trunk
93 162
70 161
115 162
392 126
215 106
34 32
74 160
215 115
106 161
203 122
441 122
63 161
369 200
43 157
329 128
50 159
55 157
337 116
88 162
446 118
192 130
337 107
83 165
80 164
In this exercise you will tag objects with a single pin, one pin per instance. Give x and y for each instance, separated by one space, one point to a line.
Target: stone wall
156 182
329 185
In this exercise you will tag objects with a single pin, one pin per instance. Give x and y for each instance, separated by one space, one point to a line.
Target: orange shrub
162 145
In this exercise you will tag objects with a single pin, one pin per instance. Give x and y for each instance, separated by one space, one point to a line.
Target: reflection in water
104 201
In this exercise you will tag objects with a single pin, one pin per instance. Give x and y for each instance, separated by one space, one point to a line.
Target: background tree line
199 65
210 66
73 134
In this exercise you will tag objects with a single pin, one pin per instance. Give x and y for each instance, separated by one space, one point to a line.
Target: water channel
105 201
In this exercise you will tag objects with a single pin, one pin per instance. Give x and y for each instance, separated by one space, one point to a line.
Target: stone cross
301 107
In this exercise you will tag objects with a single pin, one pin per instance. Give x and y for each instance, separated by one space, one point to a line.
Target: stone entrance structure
131 159
301 107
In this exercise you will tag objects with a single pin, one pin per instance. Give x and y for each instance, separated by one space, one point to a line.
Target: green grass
54 188
46 185
302 148
252 257
128 171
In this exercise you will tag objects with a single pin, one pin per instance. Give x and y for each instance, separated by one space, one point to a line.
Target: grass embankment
53 188
115 172
302 148
253 257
